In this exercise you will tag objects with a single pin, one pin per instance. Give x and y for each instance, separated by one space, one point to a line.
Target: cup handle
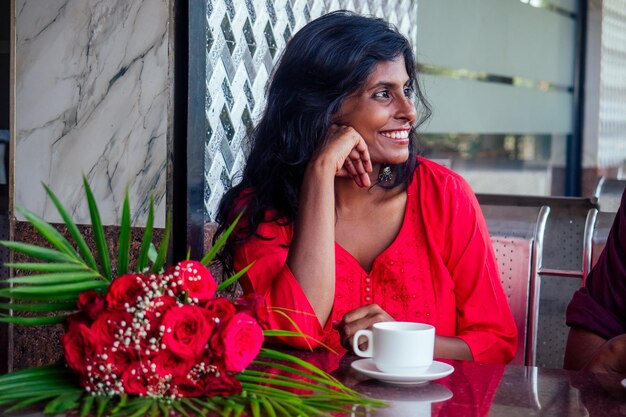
367 353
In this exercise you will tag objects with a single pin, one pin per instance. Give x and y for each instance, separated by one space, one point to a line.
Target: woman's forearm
452 348
312 252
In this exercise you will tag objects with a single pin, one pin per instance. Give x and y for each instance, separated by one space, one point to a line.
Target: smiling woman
347 226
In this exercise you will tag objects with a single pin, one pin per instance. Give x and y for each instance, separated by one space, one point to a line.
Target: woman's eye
408 92
382 94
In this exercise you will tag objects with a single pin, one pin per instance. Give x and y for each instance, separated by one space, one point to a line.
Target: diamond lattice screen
244 40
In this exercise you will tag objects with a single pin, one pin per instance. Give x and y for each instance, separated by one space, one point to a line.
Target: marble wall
92 95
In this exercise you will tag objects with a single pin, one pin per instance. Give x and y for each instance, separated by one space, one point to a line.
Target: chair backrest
566 260
517 237
566 263
567 244
609 193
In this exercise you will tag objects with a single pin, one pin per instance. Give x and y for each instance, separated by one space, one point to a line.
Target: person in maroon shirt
597 312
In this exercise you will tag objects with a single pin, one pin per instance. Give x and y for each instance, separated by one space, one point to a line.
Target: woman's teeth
400 134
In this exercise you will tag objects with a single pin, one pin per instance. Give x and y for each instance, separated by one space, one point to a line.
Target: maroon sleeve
600 306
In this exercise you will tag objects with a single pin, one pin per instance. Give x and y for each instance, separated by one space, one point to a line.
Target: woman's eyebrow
388 84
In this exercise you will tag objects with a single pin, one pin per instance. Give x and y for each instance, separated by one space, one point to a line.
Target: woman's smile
400 136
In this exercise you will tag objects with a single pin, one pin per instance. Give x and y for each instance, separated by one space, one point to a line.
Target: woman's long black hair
326 61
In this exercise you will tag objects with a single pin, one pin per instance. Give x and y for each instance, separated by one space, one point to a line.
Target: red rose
219 308
254 305
80 346
136 379
196 280
108 324
166 363
188 387
91 303
186 331
124 291
120 359
242 339
75 319
157 309
224 385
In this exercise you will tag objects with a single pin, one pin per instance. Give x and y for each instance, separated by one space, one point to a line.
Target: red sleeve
484 318
271 278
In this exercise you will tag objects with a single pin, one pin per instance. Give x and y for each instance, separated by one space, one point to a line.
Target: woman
597 312
346 226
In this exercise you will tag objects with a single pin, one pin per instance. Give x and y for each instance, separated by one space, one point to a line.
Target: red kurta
440 269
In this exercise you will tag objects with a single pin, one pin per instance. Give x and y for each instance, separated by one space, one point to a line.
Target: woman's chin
392 160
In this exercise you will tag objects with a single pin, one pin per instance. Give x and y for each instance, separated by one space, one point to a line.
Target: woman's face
382 111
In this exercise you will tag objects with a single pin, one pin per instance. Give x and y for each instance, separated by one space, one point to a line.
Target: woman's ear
336 118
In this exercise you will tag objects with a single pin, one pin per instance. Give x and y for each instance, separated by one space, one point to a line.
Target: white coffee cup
398 347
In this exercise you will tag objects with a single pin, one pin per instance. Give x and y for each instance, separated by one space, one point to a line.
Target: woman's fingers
364 155
354 166
352 154
357 164
360 318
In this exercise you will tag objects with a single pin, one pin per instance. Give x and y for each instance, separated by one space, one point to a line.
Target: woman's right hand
348 154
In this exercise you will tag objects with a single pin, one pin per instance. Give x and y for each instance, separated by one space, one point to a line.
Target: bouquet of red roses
156 341
163 335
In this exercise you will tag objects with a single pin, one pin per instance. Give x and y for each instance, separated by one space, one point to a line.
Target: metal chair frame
608 192
522 228
565 254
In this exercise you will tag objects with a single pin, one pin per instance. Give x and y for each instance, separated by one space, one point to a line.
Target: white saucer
435 371
624 382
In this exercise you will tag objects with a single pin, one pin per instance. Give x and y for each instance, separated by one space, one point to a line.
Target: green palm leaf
47 267
163 247
50 255
67 296
64 402
123 247
58 277
98 231
87 406
234 278
49 233
206 259
38 307
142 262
27 402
32 321
102 403
268 407
54 288
39 373
73 229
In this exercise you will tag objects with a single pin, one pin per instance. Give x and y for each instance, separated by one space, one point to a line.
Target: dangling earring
385 174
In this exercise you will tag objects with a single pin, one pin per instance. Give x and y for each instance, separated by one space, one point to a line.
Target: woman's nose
406 110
